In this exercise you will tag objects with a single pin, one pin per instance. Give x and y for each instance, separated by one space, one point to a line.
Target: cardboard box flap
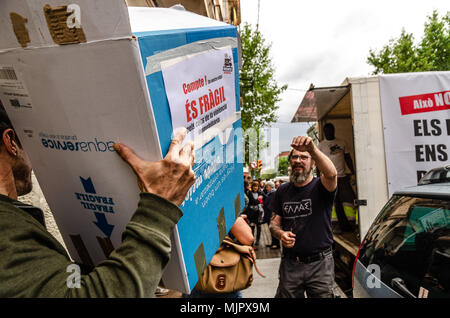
43 23
143 19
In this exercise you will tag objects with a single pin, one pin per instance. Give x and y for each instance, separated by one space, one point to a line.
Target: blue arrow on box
103 225
88 185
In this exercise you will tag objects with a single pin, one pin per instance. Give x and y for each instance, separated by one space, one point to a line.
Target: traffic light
259 164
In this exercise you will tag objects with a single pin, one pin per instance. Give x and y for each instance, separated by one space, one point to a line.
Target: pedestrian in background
261 185
337 150
254 210
270 191
277 184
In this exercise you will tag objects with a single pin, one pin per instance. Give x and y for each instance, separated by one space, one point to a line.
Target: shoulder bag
230 269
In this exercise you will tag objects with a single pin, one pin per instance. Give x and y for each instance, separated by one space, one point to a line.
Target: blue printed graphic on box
217 197
212 206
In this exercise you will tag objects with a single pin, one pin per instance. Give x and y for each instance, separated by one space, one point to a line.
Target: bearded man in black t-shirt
302 221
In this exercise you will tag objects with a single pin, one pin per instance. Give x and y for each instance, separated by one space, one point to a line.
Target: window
410 239
438 175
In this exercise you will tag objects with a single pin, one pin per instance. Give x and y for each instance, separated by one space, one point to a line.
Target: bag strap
252 258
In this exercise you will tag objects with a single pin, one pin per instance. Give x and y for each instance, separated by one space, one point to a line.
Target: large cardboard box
76 76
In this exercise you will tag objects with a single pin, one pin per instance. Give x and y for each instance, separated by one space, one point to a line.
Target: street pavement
267 287
264 287
268 262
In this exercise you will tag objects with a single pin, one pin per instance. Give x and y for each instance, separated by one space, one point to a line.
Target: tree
283 165
260 92
401 55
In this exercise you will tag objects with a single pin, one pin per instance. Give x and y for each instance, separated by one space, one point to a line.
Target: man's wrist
278 234
314 152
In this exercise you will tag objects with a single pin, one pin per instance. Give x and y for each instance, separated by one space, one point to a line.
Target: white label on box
13 88
201 90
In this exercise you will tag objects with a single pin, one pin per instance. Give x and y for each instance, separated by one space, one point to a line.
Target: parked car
406 252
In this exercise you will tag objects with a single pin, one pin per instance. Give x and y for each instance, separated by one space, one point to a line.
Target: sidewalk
264 287
267 287
268 263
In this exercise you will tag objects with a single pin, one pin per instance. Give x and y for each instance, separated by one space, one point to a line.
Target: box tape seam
154 61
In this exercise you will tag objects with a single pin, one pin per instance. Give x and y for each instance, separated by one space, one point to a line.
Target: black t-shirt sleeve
325 193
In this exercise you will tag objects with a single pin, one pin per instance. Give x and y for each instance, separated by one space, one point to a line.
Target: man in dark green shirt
34 264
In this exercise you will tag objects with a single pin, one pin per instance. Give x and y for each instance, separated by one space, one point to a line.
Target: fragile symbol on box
96 203
228 65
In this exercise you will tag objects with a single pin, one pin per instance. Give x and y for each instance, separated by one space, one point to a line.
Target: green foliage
402 55
269 174
259 90
283 165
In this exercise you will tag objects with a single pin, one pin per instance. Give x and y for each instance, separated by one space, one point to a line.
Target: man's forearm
134 269
324 164
275 227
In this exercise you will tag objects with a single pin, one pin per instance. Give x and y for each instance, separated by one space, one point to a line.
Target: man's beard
22 177
299 176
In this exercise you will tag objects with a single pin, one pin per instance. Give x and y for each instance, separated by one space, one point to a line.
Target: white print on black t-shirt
297 209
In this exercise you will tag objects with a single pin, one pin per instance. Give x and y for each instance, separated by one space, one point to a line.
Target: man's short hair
5 123
329 126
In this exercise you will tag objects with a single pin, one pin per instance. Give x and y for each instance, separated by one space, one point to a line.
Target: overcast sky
323 42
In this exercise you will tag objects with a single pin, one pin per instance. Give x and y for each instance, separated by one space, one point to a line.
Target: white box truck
396 126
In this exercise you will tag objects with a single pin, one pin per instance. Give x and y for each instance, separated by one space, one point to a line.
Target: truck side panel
370 158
